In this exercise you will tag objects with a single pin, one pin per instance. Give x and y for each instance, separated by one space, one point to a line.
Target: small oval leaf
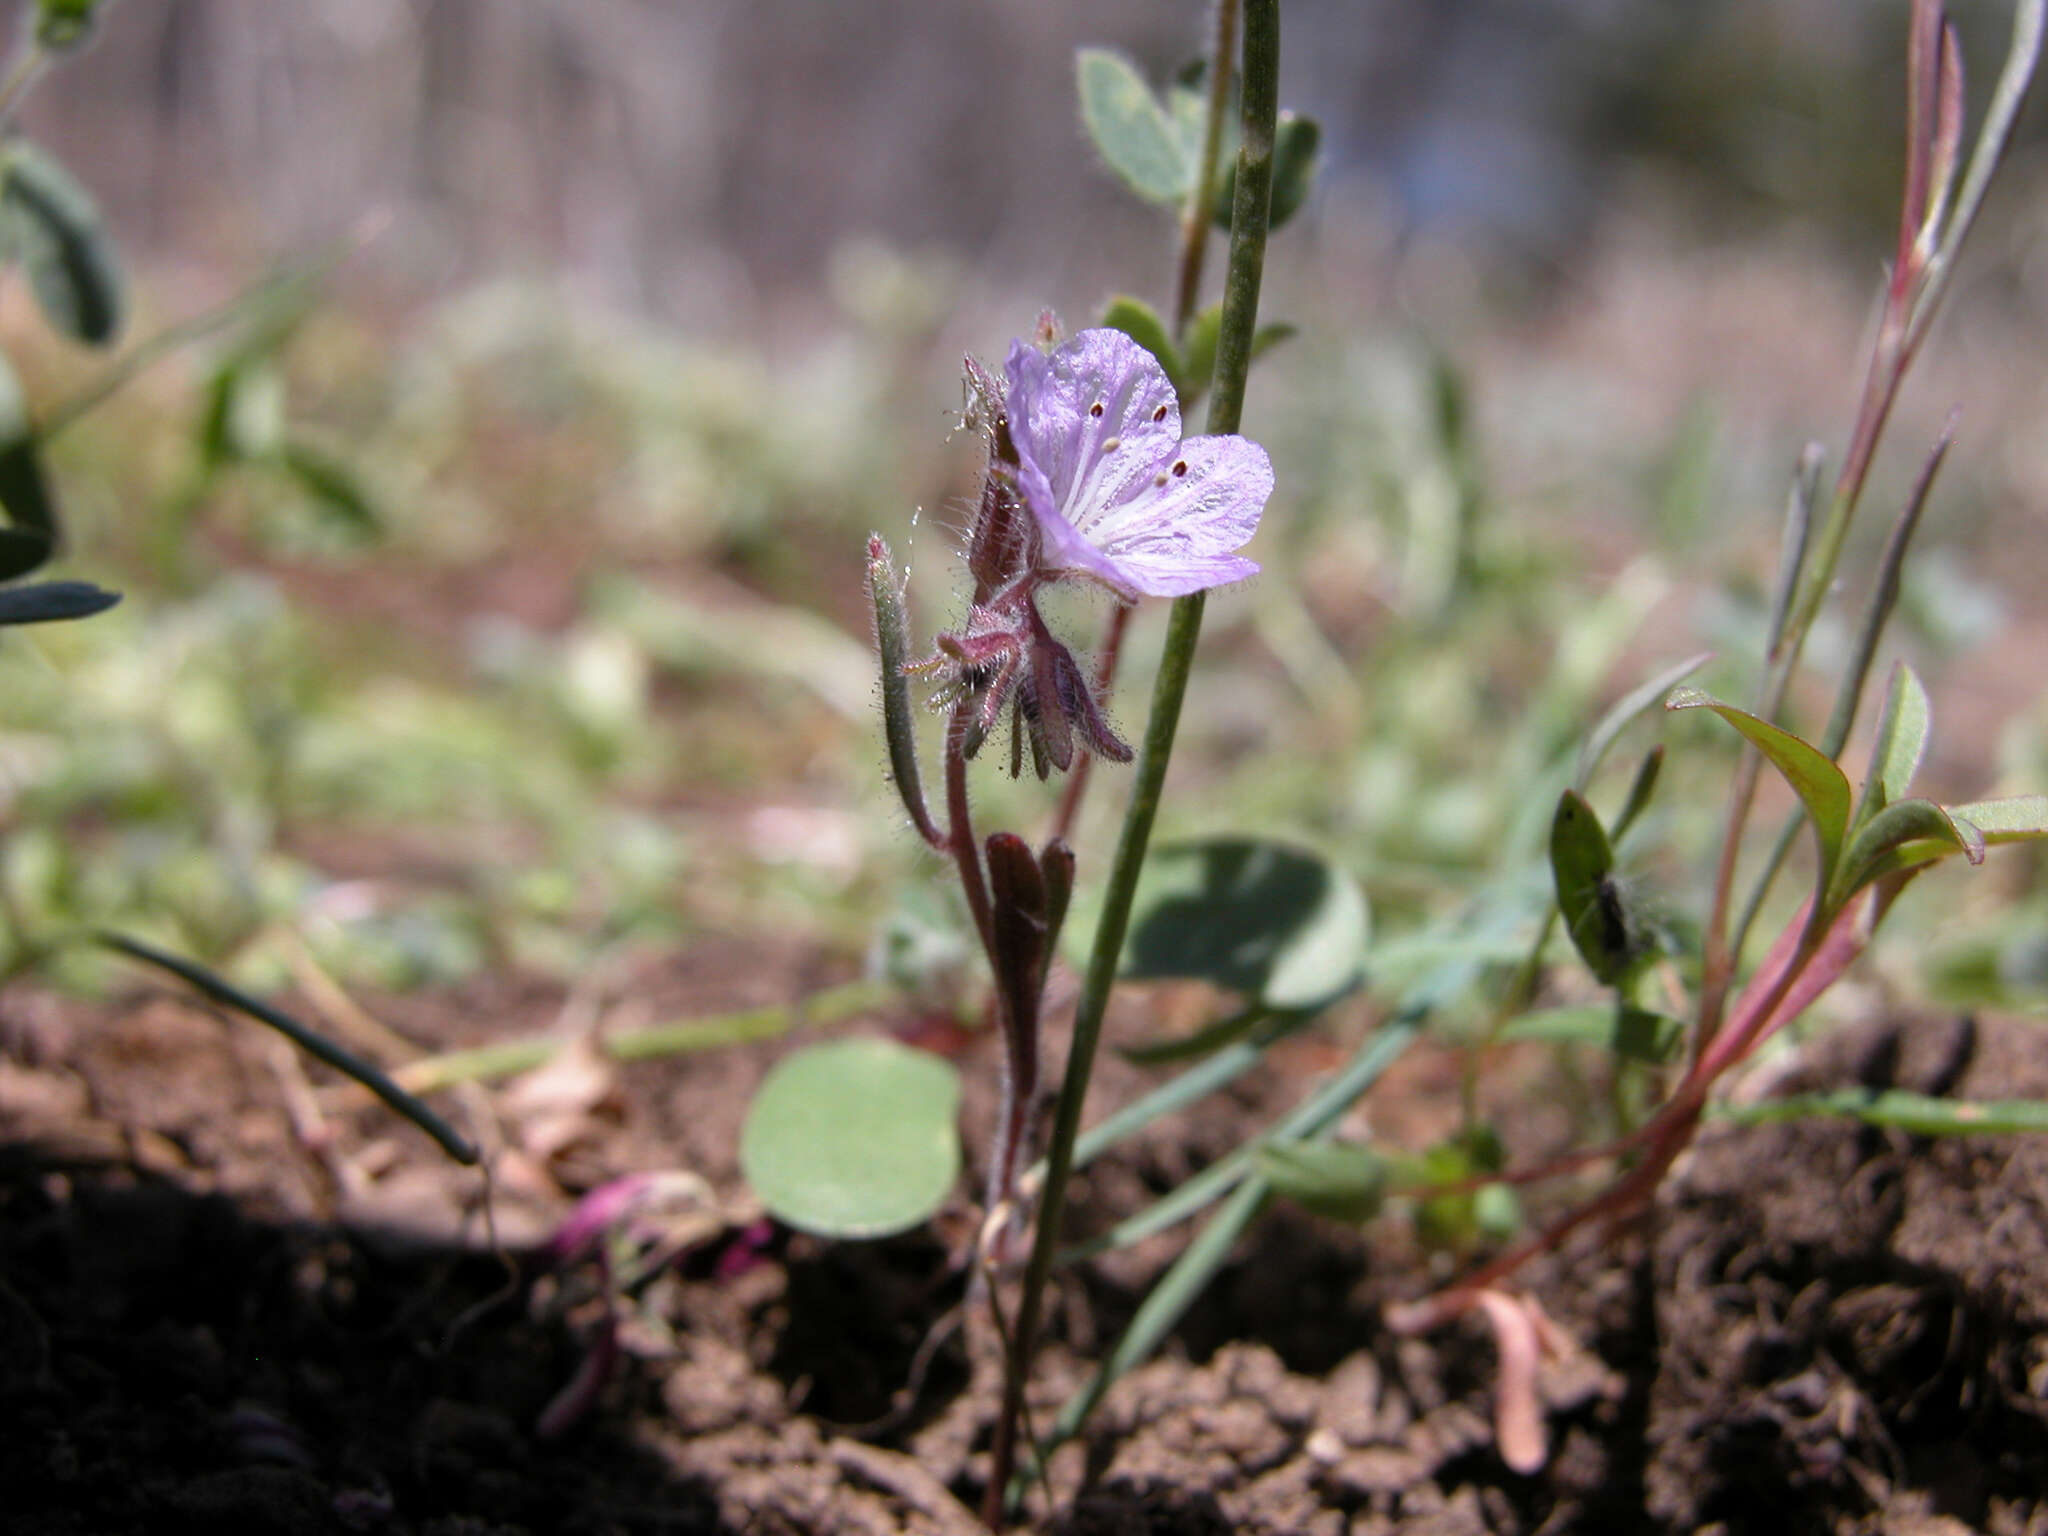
1252 915
854 1139
50 223
1582 865
1137 139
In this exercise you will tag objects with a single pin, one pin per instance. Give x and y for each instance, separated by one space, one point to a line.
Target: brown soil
231 1301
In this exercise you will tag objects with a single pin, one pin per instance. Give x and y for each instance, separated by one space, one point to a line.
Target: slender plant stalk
1919 278
1195 217
314 1044
1249 216
430 1074
22 72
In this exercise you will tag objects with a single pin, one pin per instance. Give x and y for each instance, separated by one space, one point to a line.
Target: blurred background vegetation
493 592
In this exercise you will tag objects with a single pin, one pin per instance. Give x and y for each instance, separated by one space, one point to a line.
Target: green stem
1194 218
22 71
1249 216
430 1074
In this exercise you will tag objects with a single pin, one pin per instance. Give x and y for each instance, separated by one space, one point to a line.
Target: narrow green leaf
1817 781
1280 924
311 1041
854 1138
1198 350
1338 1180
333 488
48 600
1582 864
1625 711
1901 741
892 641
1640 788
1142 323
1136 138
216 435
1634 1033
1209 1038
1900 1110
50 223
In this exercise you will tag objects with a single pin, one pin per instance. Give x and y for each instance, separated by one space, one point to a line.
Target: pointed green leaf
332 487
1582 863
854 1138
51 225
1130 128
1916 1113
1814 778
1624 712
1341 1181
1640 788
1635 1034
1140 321
1296 141
1901 740
1267 337
1252 915
1906 821
2015 819
49 600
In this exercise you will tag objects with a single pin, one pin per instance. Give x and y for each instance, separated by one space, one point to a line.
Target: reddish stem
1105 674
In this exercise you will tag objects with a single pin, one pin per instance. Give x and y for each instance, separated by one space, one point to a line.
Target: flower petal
1095 416
1180 531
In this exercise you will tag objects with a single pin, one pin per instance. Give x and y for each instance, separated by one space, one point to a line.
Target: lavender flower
1117 493
1088 477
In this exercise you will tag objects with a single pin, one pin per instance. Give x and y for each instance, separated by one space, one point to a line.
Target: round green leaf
51 225
854 1139
1252 915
